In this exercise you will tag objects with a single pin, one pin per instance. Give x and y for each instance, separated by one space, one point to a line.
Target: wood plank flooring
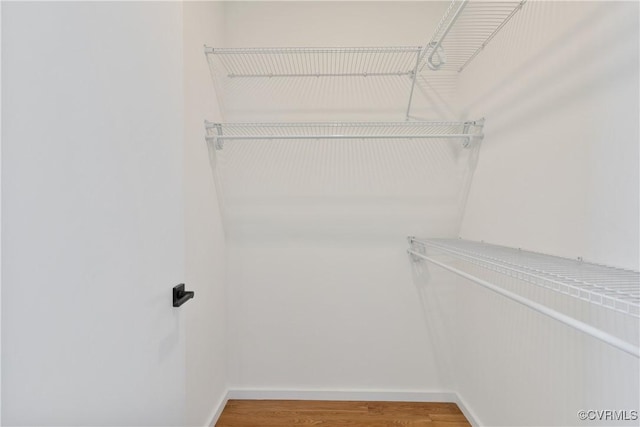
282 413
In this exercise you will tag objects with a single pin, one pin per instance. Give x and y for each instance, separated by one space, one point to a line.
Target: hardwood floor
282 413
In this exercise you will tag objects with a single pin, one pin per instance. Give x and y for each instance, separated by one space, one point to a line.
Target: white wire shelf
307 79
381 80
614 288
464 131
464 31
315 62
610 287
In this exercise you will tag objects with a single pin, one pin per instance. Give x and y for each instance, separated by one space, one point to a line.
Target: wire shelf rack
315 62
464 31
610 287
382 80
464 131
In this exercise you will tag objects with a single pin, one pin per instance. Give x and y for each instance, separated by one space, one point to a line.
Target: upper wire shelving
312 79
315 62
463 131
380 79
464 31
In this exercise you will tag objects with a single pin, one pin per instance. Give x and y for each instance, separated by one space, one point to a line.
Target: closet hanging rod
419 136
334 125
310 50
464 131
563 318
317 75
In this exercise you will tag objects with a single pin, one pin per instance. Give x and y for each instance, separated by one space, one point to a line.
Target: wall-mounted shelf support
220 134
414 77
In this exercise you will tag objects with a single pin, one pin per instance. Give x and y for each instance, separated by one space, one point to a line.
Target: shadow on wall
560 70
515 366
436 96
435 318
344 187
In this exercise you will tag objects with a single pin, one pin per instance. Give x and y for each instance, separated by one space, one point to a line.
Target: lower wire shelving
610 287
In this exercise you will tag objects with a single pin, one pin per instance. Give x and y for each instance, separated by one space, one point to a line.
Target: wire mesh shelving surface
465 29
611 287
462 130
416 81
315 62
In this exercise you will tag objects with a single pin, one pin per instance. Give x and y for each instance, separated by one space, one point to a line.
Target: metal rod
423 136
563 318
397 73
282 125
413 84
308 50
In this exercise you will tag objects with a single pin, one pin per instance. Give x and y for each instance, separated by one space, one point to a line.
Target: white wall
105 104
320 294
558 173
512 366
206 257
93 217
0 219
558 169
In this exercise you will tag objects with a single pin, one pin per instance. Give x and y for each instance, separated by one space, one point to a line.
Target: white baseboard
321 394
217 410
468 413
